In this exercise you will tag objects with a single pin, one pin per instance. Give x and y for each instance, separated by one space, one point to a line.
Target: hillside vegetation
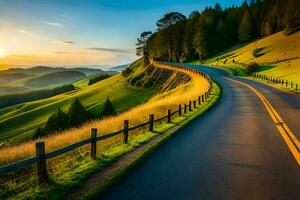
213 30
279 56
18 122
158 104
55 79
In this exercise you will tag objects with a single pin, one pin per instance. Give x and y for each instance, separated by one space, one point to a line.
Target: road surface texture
234 151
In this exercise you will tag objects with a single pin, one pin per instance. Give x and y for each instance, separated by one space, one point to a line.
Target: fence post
195 104
41 163
93 143
199 100
185 108
292 84
169 116
296 87
151 122
179 109
202 98
190 106
286 83
126 126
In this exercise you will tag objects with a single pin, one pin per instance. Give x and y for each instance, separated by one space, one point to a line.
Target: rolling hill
41 70
18 122
6 78
277 55
22 80
53 79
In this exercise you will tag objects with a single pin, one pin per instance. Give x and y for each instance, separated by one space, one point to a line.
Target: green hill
125 90
41 70
18 123
279 57
53 79
12 89
6 78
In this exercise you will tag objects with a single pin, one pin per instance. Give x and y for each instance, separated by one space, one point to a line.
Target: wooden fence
42 156
276 80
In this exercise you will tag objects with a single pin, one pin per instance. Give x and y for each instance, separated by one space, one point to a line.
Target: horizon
34 33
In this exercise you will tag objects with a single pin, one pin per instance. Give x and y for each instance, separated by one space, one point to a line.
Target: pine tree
189 53
292 21
56 122
77 114
223 35
108 108
245 29
201 38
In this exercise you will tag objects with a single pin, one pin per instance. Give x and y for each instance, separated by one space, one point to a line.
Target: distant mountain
40 70
120 68
54 79
6 78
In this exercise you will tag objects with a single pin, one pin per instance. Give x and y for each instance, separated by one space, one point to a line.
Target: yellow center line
286 133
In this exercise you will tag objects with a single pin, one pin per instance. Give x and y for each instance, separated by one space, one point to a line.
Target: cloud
67 42
70 52
54 24
111 50
23 31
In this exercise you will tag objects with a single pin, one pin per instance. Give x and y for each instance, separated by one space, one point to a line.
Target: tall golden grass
157 105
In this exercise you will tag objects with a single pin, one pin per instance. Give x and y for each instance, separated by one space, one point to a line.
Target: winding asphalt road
234 151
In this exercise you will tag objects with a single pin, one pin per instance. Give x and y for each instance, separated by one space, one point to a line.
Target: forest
203 34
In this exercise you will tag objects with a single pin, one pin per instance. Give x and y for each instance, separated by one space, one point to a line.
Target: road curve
234 151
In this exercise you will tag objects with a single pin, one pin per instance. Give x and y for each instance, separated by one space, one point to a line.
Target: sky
81 32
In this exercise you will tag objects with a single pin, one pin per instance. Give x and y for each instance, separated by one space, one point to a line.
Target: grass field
123 96
17 123
68 175
279 56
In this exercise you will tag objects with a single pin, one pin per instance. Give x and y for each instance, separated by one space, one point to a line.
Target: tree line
203 34
98 78
13 99
73 118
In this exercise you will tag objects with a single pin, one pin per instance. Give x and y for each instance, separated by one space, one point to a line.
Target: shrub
13 99
258 52
108 108
252 67
137 78
126 72
77 114
98 78
57 122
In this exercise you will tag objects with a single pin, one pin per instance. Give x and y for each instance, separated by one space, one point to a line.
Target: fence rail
42 156
276 80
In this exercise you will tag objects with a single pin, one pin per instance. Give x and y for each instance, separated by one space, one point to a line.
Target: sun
2 53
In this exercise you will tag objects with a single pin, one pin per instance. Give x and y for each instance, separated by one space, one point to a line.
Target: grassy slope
281 56
52 79
162 132
18 122
18 80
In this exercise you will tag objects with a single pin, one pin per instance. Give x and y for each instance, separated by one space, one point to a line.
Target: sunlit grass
281 55
18 123
158 105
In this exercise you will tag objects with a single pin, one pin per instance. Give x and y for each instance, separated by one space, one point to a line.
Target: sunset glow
2 53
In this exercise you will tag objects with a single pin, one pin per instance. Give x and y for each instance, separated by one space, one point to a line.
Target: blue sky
54 32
